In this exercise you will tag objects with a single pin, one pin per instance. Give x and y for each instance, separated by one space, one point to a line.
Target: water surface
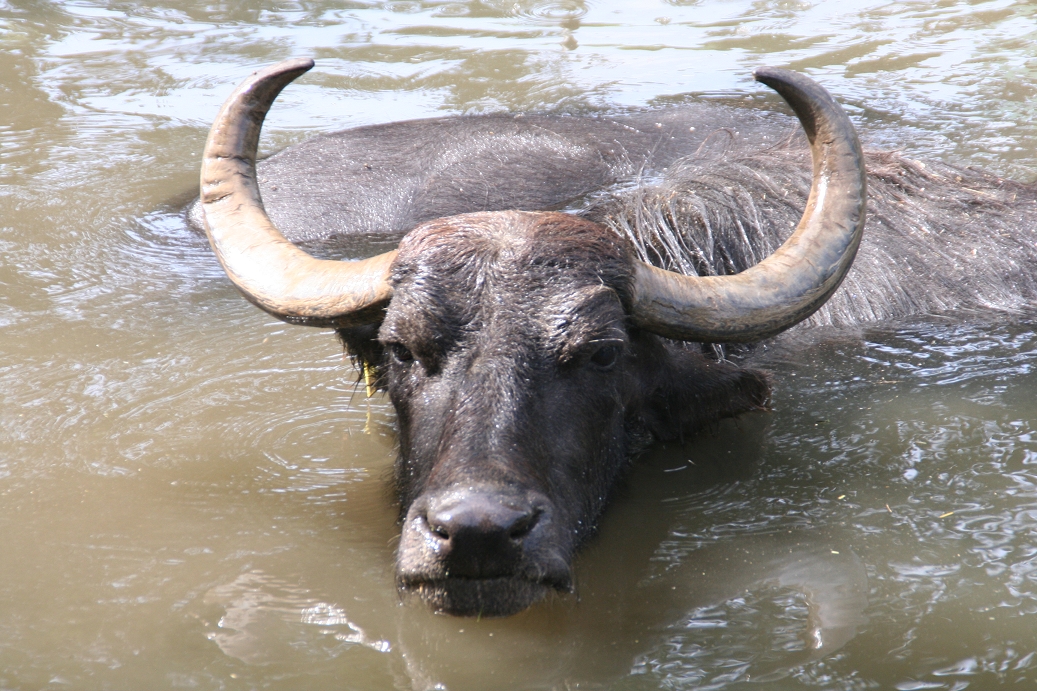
193 495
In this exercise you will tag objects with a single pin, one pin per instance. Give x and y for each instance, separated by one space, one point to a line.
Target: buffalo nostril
434 527
480 518
523 525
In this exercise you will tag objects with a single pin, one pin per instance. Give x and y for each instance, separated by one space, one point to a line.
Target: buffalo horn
274 274
799 277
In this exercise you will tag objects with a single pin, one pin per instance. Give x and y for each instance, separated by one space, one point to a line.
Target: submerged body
528 355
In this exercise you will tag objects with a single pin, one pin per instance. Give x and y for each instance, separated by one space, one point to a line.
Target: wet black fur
508 354
938 238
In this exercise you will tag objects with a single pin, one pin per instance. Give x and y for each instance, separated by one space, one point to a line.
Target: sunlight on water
193 495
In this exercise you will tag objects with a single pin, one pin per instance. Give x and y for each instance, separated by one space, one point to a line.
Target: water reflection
266 621
257 611
750 607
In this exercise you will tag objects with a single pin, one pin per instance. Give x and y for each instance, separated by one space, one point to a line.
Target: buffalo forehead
559 316
477 269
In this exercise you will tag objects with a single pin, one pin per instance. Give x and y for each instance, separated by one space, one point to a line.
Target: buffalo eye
606 356
400 353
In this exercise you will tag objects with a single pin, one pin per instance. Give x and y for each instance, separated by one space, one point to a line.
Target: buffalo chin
479 597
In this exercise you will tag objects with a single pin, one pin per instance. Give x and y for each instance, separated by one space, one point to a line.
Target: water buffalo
530 353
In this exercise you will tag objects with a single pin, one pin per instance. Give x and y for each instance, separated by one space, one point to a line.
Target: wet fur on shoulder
938 237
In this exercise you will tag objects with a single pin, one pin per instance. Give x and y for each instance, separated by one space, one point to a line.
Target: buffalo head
528 355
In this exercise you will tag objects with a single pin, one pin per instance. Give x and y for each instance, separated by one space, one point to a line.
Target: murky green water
188 496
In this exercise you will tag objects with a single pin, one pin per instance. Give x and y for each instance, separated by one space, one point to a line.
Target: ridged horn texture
274 274
791 284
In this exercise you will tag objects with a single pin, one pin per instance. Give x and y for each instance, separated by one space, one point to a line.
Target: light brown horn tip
803 94
802 274
291 65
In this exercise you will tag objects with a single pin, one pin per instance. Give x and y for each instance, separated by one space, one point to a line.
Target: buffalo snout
481 551
480 535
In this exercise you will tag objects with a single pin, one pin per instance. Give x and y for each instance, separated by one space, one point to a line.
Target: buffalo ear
690 392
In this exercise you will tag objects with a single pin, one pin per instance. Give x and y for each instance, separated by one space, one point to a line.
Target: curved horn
791 284
274 274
